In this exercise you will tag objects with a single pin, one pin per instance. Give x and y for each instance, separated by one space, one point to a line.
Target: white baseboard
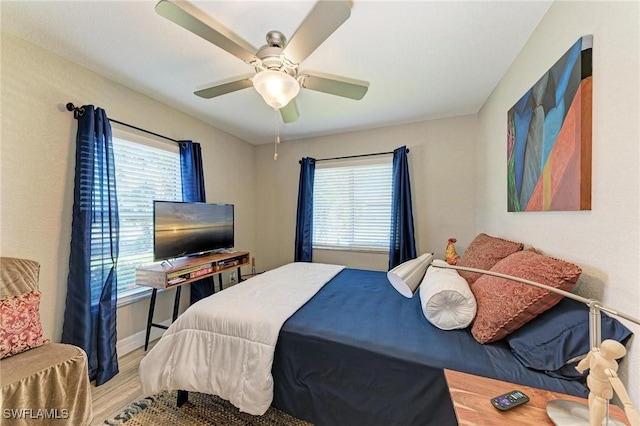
135 341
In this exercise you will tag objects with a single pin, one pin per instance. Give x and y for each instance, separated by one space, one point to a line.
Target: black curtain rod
354 156
78 111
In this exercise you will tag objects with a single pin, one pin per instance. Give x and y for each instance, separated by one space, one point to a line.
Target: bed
353 352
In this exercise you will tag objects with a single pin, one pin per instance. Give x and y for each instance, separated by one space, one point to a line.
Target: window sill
353 249
142 293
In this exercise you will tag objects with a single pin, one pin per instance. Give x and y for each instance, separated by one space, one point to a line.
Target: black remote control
509 400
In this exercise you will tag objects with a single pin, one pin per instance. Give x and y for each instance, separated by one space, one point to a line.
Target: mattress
360 353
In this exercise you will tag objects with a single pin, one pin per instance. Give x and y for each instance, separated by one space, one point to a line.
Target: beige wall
605 241
38 154
442 167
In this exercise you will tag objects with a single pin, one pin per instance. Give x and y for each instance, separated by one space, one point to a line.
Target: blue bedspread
359 353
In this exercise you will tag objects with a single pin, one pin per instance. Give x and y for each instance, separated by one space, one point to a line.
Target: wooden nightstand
470 396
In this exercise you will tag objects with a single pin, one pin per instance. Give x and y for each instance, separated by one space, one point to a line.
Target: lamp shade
277 88
407 276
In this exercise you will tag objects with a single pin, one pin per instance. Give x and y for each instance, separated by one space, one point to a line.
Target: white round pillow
446 299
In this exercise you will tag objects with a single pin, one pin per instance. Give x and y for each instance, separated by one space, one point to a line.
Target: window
352 205
146 170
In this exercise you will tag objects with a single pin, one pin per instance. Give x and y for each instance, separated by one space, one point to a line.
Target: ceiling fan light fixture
277 88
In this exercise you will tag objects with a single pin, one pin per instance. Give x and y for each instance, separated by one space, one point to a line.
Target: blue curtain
193 191
304 219
402 246
192 173
90 311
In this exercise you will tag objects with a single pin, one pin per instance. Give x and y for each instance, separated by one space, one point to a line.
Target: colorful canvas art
549 138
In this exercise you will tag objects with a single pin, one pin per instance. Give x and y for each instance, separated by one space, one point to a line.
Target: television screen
183 229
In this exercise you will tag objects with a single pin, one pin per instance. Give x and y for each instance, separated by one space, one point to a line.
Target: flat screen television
187 229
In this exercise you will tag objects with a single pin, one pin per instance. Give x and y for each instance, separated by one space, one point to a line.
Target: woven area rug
201 409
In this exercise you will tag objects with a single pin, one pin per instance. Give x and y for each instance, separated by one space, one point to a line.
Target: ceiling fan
276 64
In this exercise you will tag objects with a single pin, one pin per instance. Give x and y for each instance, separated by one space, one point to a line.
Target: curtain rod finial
77 111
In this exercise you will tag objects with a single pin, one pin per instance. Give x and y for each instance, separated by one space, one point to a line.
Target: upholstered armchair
42 383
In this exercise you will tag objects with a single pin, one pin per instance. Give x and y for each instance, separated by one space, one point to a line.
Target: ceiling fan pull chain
277 140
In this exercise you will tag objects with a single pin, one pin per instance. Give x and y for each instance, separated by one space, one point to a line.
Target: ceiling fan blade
290 112
194 20
339 86
320 23
222 89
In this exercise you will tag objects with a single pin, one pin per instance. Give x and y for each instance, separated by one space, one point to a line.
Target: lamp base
563 412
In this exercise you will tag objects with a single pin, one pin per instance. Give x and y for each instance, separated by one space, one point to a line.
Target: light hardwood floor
110 398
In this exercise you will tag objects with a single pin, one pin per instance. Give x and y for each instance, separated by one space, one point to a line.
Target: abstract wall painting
549 138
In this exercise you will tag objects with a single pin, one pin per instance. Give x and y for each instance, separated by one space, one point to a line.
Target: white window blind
352 205
145 171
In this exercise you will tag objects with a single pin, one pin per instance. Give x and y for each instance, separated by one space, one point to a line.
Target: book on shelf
201 272
187 271
176 280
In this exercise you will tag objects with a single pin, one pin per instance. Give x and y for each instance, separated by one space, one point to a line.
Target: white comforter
224 344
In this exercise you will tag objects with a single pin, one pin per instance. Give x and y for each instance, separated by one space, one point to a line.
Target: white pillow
407 276
446 299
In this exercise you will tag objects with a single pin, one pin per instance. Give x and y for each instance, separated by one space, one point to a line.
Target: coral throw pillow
506 305
20 326
484 252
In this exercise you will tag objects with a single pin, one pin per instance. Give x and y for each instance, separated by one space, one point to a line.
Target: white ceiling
423 59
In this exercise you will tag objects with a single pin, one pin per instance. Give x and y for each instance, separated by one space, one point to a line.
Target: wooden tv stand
183 271
186 270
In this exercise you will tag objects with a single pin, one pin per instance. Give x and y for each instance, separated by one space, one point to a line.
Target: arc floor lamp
564 412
